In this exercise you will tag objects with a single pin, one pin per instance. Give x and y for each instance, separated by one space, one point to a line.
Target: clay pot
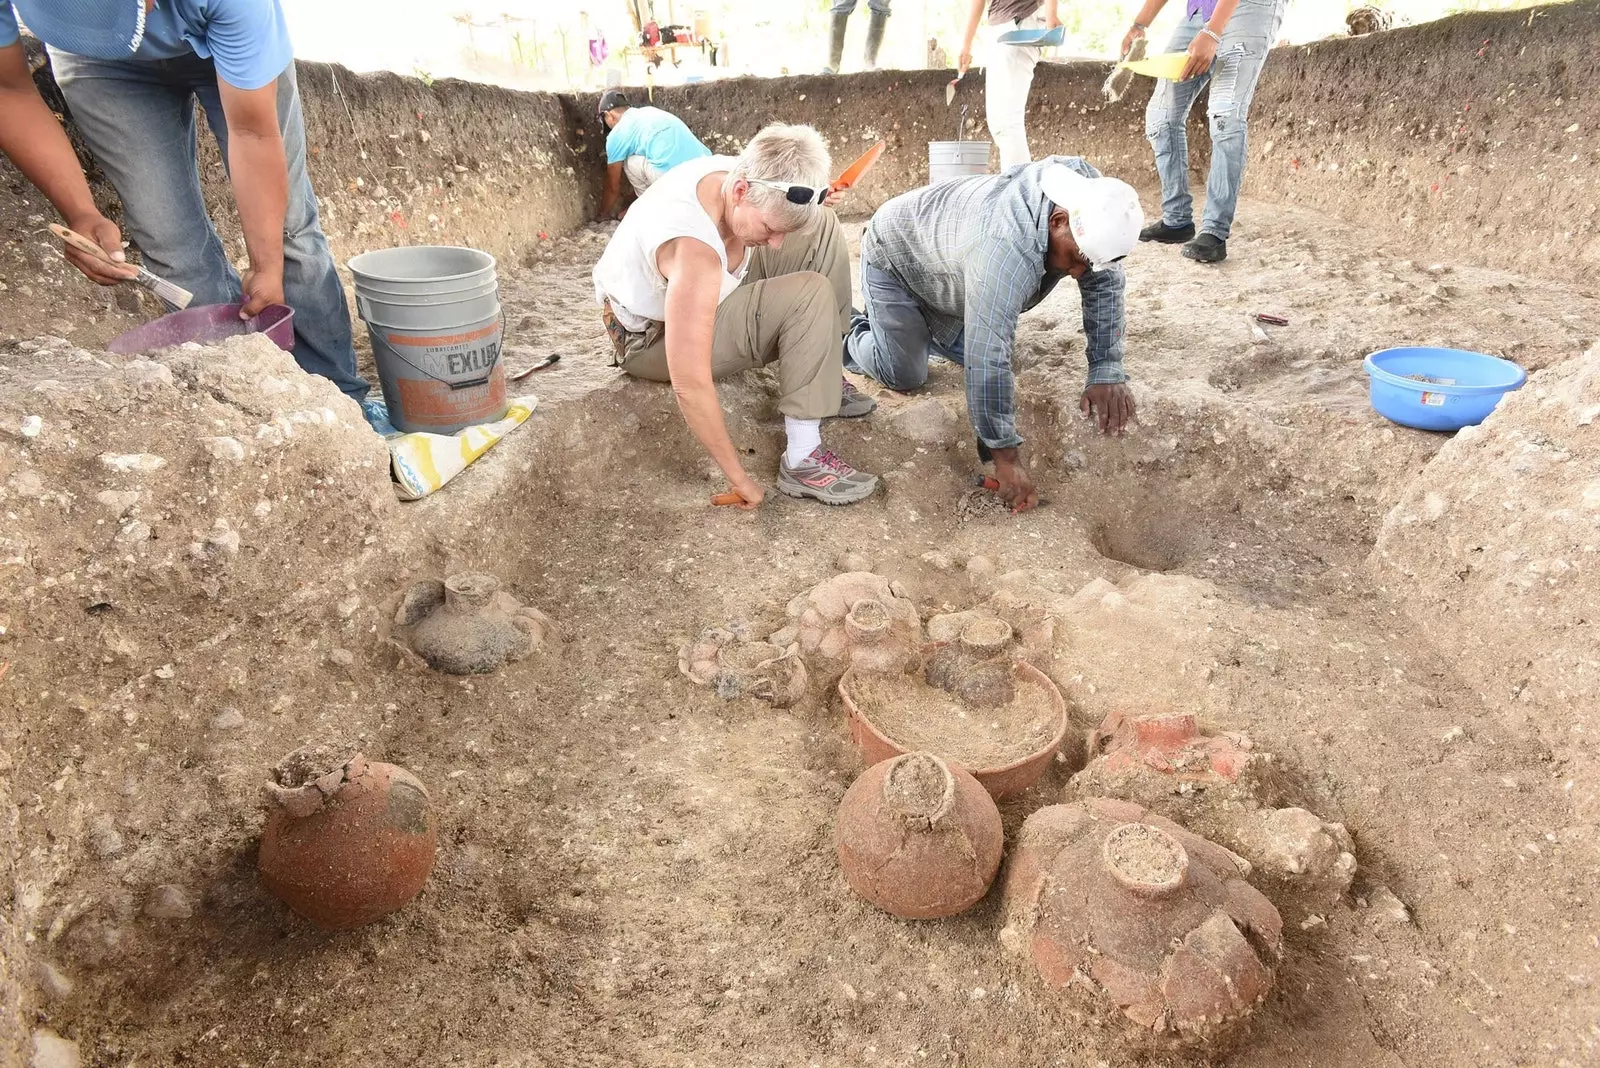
348 846
1162 920
918 838
473 628
818 617
978 667
874 646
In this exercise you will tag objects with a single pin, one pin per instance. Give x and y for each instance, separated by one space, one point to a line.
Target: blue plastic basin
1035 36
1439 389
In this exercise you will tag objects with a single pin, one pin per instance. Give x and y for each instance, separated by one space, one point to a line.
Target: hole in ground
1150 534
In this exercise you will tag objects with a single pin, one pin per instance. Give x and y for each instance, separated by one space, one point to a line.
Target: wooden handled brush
169 293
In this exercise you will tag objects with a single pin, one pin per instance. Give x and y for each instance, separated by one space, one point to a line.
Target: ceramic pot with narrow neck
347 840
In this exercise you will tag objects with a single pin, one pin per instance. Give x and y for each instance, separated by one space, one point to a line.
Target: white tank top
627 275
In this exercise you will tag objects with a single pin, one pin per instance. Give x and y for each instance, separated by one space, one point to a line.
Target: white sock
804 437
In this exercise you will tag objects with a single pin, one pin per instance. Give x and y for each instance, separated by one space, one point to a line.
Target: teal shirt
658 136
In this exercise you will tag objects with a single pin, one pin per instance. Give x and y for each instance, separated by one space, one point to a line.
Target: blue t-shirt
657 135
248 40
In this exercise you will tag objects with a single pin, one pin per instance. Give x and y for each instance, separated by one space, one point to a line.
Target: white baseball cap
1104 213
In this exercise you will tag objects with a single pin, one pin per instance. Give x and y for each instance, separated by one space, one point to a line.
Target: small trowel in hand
950 90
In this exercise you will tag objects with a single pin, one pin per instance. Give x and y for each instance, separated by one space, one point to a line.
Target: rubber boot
836 45
875 27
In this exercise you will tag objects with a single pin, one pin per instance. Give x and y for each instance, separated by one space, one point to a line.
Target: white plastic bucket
433 312
957 159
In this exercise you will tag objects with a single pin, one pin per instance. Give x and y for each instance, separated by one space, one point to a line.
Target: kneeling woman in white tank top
725 264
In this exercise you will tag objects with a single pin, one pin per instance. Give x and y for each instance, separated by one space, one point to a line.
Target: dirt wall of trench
1470 136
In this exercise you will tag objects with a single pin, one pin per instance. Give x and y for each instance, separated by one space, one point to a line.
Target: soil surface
633 871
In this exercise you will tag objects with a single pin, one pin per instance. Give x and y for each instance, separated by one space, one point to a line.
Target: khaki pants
793 307
641 174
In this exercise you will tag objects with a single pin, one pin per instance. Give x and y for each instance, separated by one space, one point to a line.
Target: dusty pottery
918 838
817 617
979 667
1161 920
735 667
466 625
874 645
347 840
1299 849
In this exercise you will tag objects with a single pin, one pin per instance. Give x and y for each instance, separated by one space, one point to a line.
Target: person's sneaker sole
1202 254
798 490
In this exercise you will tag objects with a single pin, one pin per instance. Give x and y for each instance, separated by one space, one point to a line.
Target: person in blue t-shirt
131 71
643 144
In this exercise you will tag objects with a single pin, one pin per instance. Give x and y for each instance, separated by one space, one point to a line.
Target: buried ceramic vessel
347 840
466 625
918 838
818 617
875 648
1161 920
978 667
735 667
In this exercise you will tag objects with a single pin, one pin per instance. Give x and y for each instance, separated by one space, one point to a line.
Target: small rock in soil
168 902
104 840
52 983
228 719
50 1050
847 562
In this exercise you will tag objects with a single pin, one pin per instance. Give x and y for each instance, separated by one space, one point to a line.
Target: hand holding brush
103 267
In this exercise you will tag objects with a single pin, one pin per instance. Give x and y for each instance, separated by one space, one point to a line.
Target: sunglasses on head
794 194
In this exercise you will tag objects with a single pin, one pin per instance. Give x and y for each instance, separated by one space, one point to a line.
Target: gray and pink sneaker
825 477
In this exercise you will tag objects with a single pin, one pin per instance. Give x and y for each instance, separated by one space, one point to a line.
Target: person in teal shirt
643 144
132 72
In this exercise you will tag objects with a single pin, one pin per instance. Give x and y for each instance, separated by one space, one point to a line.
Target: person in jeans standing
1008 69
877 21
131 71
1227 43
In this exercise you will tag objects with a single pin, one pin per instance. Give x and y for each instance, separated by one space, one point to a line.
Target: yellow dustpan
1168 65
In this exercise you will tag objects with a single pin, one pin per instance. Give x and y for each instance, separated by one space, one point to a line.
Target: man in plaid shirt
948 269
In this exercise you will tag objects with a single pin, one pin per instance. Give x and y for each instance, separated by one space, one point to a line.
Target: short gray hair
781 153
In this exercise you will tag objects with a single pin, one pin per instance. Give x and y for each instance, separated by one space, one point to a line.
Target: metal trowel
950 90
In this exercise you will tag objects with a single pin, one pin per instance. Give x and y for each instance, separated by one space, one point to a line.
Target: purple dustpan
206 325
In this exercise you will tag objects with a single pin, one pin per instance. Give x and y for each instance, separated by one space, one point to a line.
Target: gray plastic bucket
433 313
957 159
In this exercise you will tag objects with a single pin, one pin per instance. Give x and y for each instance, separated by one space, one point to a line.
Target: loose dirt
634 871
920 717
1144 854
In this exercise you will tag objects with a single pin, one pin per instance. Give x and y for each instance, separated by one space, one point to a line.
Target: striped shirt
972 252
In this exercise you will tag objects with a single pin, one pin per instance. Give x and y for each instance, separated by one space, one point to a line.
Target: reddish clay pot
918 838
349 846
1002 782
1162 920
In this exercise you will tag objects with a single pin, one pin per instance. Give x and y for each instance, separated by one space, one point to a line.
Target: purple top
1202 7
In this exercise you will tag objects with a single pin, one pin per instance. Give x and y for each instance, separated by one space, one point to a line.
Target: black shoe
1207 248
1167 235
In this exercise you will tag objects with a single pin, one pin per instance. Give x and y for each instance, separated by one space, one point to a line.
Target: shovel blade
949 93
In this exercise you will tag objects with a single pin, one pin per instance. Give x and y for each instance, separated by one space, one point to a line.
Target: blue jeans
891 342
844 7
1232 77
139 121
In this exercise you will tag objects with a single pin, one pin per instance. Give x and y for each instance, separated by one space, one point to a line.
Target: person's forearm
34 141
1052 11
611 192
970 31
260 177
1219 18
1104 298
688 341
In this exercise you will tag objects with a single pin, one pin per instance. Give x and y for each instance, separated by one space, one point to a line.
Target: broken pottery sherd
918 838
735 667
1162 921
466 625
347 840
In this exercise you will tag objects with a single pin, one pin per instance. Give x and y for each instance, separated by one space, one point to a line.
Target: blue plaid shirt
972 251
